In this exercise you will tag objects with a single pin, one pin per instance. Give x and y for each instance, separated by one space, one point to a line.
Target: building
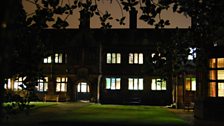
126 66
116 66
209 103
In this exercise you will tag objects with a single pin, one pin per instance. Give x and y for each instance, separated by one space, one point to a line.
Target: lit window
212 89
190 84
61 84
18 84
118 58
141 58
212 74
192 54
113 58
158 84
131 58
47 59
135 83
58 57
220 62
109 58
113 83
135 58
42 85
220 74
7 84
221 89
212 63
83 87
216 77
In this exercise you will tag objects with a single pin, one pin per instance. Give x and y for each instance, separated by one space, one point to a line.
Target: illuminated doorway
83 92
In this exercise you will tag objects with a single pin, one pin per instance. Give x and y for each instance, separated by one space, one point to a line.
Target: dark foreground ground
82 114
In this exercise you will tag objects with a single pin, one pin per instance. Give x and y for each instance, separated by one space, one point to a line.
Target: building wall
145 96
84 60
209 106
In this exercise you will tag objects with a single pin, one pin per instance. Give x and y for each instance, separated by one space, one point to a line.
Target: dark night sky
176 20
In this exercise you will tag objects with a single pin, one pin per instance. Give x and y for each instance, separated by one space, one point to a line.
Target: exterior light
3 25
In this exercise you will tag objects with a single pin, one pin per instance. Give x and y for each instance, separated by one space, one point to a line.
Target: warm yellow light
3 25
212 63
212 89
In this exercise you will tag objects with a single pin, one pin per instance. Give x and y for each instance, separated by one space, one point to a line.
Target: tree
20 47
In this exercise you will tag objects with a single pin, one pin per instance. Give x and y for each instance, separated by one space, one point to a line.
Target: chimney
84 20
133 18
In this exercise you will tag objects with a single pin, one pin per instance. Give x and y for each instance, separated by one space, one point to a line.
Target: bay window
216 77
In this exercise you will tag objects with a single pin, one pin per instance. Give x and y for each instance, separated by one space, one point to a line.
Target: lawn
124 115
96 114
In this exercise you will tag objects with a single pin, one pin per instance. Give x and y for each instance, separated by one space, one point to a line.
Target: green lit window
113 83
158 84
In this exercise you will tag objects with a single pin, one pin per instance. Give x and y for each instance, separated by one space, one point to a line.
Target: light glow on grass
79 113
42 104
123 114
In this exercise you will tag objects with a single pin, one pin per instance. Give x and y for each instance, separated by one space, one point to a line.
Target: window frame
115 58
156 84
191 84
79 87
213 77
47 60
44 82
60 83
136 58
113 86
134 83
58 58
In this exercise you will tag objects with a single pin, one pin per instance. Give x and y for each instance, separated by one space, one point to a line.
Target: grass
51 113
35 104
42 104
123 114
